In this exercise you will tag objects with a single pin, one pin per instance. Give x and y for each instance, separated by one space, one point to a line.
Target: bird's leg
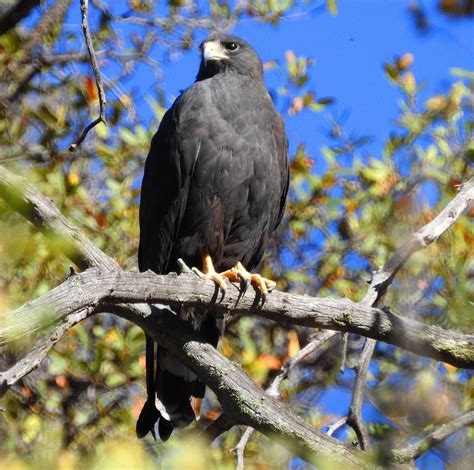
208 272
239 274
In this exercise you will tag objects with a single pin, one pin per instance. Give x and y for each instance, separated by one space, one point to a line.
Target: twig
354 418
312 347
97 75
419 240
424 444
345 338
338 424
239 449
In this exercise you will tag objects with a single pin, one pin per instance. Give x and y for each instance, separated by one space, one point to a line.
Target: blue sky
349 52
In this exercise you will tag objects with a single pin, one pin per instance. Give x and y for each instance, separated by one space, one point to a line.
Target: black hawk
213 192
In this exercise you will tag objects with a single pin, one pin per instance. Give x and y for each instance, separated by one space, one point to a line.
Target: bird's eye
231 46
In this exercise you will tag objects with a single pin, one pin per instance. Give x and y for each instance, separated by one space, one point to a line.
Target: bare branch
97 75
311 348
243 402
239 449
424 444
354 418
337 425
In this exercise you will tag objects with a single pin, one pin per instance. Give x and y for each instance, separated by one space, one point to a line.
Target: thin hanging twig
97 75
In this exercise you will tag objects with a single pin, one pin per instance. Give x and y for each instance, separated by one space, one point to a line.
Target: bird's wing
281 144
164 193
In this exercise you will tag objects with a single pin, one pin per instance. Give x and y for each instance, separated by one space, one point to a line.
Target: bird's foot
240 274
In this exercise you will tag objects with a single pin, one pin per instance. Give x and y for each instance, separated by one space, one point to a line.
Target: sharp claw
244 285
222 290
270 286
215 278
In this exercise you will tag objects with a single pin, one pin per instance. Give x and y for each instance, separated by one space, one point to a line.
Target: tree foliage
348 210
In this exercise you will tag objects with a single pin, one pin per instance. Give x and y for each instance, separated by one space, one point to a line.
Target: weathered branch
239 449
92 289
424 444
354 417
40 350
314 346
243 402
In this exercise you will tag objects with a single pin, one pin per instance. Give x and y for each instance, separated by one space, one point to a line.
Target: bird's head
223 53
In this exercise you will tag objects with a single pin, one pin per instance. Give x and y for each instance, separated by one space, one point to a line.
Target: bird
213 192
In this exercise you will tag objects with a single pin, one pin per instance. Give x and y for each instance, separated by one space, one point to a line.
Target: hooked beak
213 50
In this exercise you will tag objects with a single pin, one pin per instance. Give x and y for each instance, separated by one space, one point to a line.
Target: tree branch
274 389
419 240
40 350
243 402
314 346
424 444
92 289
354 417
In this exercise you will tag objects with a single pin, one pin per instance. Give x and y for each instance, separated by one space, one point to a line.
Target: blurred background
377 99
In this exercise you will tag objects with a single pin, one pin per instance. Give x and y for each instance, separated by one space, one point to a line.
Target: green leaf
457 72
116 379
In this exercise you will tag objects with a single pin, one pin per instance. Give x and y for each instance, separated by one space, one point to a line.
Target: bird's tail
170 387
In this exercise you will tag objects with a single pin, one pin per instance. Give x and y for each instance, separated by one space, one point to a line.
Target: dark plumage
215 181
